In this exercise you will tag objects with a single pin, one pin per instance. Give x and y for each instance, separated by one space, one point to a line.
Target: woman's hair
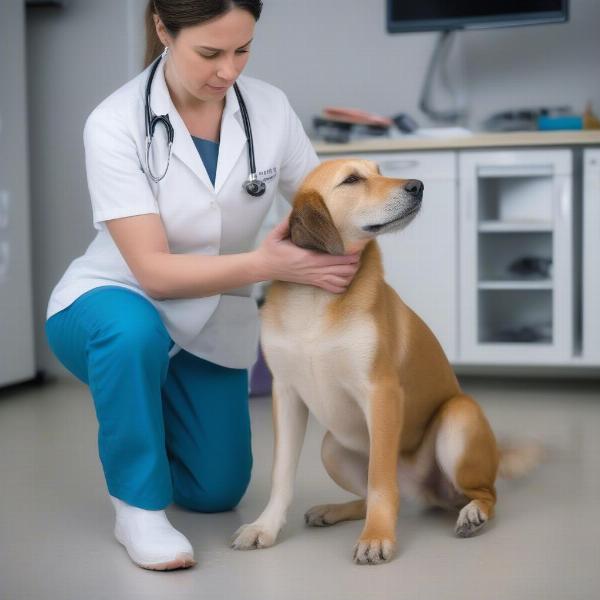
177 14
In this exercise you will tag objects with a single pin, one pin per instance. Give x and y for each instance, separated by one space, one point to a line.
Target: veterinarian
157 316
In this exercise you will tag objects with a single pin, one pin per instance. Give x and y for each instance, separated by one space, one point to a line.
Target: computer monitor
442 15
448 16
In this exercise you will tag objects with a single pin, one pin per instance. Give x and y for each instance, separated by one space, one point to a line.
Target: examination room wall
337 52
333 52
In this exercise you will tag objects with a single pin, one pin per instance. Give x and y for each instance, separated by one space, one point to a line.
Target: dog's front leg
377 541
290 416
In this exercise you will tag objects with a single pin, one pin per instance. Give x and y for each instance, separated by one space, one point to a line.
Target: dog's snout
414 187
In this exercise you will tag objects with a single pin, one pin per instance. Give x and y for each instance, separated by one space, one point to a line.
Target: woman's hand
279 258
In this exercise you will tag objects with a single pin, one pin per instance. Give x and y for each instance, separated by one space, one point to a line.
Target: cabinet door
16 310
591 256
420 262
516 283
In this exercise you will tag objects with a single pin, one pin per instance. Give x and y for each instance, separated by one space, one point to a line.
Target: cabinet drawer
410 165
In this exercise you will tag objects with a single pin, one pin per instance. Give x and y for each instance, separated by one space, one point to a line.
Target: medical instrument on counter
253 185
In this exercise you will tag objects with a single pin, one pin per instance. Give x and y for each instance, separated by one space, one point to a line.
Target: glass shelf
545 284
524 257
518 200
514 226
522 316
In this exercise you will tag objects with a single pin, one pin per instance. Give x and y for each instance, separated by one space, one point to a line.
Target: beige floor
56 520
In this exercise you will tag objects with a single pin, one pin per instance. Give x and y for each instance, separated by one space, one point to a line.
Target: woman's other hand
280 259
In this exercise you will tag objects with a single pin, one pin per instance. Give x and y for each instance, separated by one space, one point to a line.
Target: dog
373 374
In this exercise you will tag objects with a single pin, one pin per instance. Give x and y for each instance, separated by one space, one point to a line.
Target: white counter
476 140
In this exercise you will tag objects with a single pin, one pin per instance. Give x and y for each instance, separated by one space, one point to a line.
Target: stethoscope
253 185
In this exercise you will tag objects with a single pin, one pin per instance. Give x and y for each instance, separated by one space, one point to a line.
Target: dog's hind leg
349 470
466 452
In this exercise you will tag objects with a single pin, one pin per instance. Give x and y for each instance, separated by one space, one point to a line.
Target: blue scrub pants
173 429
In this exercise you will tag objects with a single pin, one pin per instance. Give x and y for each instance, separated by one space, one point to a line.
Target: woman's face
206 59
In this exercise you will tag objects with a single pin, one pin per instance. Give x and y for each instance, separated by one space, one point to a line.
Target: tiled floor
56 520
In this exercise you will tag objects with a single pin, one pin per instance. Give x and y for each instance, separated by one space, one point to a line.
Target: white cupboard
516 257
420 262
17 362
503 260
590 325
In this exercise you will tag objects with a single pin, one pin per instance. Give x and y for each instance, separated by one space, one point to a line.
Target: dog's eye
352 179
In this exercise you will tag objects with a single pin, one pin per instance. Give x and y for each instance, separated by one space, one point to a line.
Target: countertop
475 140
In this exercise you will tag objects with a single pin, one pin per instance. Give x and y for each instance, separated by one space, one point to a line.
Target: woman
156 317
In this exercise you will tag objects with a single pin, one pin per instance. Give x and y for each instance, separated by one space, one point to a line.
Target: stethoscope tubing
247 129
253 186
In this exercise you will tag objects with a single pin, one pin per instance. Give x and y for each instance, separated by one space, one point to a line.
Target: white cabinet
591 257
516 257
16 311
420 262
503 260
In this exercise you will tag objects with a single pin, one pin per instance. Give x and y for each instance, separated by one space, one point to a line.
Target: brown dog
372 373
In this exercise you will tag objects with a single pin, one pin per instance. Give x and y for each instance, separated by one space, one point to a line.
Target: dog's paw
373 551
470 520
321 515
253 536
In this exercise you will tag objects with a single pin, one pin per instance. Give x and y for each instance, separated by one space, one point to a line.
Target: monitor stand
438 61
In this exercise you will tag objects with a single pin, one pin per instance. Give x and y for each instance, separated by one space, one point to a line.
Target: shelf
543 284
511 315
44 4
517 346
526 199
520 256
514 226
504 171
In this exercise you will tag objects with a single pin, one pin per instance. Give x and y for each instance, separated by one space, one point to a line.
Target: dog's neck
364 287
368 278
357 246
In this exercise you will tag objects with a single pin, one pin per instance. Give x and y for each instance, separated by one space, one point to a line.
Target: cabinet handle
4 205
398 165
527 170
565 205
469 205
4 260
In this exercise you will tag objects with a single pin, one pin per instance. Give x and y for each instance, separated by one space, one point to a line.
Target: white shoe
150 540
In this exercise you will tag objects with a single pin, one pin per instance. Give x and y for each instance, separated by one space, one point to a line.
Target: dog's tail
518 458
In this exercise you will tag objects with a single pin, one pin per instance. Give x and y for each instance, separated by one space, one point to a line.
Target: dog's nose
414 187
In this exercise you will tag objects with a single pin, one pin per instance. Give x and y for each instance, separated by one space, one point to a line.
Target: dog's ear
311 225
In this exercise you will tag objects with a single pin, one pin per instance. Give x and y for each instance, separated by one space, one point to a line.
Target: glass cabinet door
516 294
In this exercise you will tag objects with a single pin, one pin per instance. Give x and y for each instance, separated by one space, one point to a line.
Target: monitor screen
433 15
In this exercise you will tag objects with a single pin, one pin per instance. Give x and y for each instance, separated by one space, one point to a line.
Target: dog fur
372 373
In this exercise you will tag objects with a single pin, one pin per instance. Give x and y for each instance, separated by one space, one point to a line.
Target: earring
164 52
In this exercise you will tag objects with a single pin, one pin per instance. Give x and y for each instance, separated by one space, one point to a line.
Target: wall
75 58
546 65
337 52
321 53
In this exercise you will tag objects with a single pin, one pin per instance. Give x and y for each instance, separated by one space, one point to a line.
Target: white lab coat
198 218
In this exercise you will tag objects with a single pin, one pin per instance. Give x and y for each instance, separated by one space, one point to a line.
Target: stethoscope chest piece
254 186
